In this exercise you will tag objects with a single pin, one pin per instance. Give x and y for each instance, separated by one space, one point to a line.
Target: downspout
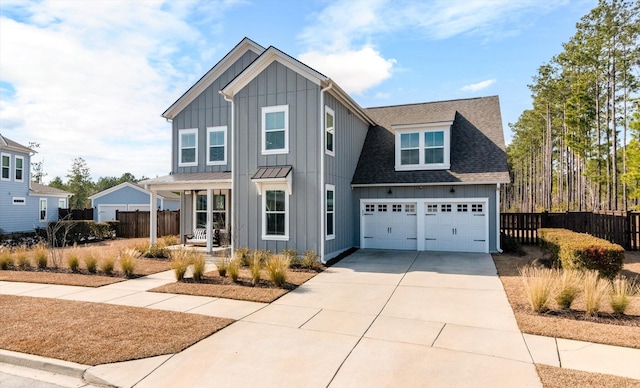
322 180
233 189
498 218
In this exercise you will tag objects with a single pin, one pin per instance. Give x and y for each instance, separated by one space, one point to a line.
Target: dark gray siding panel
349 136
444 191
209 109
278 85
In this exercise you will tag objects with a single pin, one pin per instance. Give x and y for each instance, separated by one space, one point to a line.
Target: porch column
153 219
209 231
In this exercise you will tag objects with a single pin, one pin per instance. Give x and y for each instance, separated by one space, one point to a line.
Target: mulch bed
96 333
553 377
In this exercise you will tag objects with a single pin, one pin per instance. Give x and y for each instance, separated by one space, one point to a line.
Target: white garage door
108 212
459 227
390 225
456 226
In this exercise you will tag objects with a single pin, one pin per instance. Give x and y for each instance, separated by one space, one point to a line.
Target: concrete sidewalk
377 318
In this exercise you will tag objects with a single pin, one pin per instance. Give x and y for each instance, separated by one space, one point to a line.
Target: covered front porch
205 203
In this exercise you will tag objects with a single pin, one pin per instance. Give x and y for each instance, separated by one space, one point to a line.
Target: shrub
91 262
107 265
538 285
243 256
180 260
292 255
568 287
234 269
40 255
21 257
6 260
128 261
73 262
310 260
169 240
255 265
622 290
510 244
198 266
158 250
143 248
595 290
222 264
277 266
582 251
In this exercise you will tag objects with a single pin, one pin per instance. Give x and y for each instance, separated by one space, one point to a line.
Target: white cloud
346 67
91 81
478 86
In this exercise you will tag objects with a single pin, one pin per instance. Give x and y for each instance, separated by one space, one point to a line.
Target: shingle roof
8 143
37 188
477 143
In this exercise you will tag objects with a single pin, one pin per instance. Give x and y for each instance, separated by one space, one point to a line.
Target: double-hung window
275 204
6 167
188 147
330 210
216 145
275 129
43 209
329 127
423 146
19 177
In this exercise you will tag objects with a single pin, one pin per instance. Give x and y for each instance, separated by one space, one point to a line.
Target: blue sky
91 78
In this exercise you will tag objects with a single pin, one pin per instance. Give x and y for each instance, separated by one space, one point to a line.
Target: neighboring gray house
129 197
277 154
24 205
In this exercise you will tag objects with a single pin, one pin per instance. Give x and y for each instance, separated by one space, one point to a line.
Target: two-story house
279 156
24 205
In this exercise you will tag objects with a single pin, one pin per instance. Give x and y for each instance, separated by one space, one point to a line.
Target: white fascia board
193 186
342 96
116 188
422 125
424 184
245 45
266 58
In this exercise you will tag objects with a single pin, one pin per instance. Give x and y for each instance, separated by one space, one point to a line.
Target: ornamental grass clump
234 269
6 260
292 256
180 261
73 262
255 266
198 266
91 262
568 283
277 266
128 259
40 255
107 264
22 259
243 256
222 265
622 290
169 240
538 286
310 261
595 290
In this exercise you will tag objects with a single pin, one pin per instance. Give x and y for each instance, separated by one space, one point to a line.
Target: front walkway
377 318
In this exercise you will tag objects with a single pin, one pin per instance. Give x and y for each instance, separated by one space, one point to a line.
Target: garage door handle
429 214
368 237
480 240
478 215
433 239
412 238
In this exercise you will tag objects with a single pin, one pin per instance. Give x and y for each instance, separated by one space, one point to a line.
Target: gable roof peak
7 143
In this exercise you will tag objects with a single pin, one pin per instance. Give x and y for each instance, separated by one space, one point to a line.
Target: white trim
287 211
332 113
2 166
331 188
263 130
116 188
46 205
421 130
64 203
418 184
210 130
187 131
216 71
14 199
15 168
322 157
498 247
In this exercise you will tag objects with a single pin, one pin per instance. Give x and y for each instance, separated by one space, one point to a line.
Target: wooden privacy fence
135 224
75 214
618 227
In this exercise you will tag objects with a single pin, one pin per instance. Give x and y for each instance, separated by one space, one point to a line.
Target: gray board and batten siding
425 192
278 85
209 109
350 133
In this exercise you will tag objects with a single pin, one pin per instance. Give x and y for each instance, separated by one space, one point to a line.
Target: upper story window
329 127
19 169
423 146
6 167
216 145
275 129
188 147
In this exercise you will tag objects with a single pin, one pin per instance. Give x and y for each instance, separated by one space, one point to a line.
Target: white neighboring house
129 197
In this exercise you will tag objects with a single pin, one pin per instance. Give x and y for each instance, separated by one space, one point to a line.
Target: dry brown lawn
553 377
217 286
606 328
96 333
101 250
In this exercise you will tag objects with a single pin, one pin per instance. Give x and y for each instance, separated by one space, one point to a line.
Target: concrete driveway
377 318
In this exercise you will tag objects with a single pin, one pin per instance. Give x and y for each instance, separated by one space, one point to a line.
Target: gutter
232 152
498 218
322 178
